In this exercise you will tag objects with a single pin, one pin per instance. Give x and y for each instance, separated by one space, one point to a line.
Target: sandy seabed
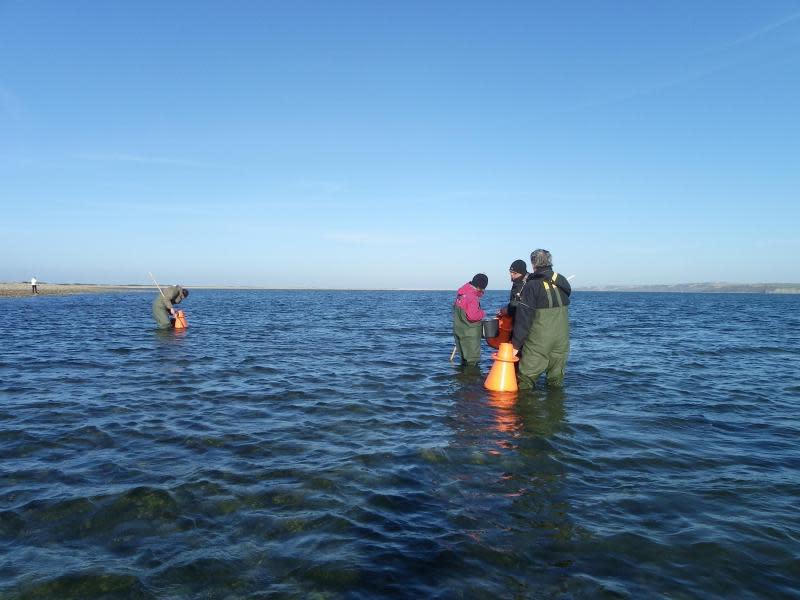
15 290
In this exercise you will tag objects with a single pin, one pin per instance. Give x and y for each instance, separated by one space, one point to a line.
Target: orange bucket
180 320
505 327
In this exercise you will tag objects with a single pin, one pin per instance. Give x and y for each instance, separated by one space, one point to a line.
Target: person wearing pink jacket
467 317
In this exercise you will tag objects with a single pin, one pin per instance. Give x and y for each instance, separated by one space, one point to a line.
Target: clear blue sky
398 144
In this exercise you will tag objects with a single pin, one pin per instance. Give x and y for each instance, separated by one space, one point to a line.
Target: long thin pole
154 281
453 353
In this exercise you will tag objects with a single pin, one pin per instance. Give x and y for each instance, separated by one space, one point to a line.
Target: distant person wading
163 310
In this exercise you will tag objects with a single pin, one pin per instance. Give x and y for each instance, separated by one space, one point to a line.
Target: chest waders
467 336
161 313
547 345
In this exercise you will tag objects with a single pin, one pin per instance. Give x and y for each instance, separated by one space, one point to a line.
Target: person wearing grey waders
162 305
541 324
467 317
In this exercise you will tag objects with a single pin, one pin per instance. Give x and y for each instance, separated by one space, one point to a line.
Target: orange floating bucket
180 320
502 377
505 326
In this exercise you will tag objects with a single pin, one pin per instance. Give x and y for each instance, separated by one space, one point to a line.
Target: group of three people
538 305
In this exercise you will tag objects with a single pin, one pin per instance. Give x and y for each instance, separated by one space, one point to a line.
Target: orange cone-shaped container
180 320
505 325
502 377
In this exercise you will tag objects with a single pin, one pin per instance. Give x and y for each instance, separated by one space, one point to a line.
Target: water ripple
330 450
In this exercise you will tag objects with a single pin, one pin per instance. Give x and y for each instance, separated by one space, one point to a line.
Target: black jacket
513 297
534 296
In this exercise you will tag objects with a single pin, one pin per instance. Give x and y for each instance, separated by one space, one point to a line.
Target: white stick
453 353
154 281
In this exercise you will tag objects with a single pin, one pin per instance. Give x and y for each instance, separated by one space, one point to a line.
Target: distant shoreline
21 290
701 288
16 290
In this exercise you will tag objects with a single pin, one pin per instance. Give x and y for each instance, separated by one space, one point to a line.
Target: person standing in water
541 324
467 317
518 272
163 310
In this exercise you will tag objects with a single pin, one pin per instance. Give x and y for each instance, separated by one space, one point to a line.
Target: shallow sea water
298 444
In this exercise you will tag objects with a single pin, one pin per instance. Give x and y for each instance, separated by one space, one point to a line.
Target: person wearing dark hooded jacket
162 305
519 275
541 324
467 317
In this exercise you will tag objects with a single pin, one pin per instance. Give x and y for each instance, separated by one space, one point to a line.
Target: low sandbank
16 290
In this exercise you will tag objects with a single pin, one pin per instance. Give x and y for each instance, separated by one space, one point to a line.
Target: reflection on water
171 336
542 411
516 486
505 418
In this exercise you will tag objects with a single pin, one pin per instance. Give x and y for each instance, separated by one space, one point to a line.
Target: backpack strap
549 293
518 295
552 288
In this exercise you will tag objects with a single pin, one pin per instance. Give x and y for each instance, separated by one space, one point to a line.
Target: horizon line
598 287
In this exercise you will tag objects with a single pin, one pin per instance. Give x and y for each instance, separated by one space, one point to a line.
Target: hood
542 273
468 290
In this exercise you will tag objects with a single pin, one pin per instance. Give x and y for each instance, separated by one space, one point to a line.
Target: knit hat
518 266
480 281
